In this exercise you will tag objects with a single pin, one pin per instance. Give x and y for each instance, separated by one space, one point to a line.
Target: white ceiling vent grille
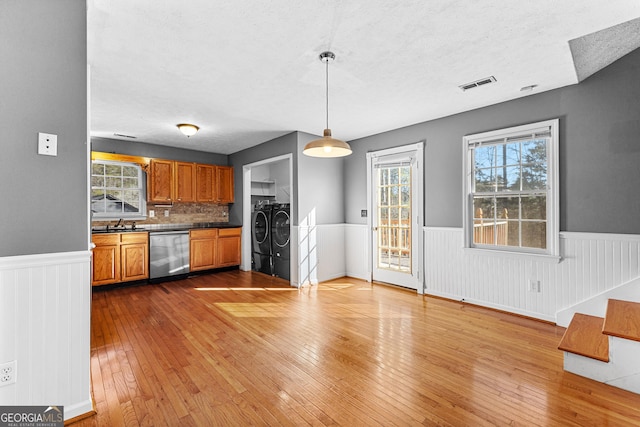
477 83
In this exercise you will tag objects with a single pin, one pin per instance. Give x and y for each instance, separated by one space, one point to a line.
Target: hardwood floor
241 348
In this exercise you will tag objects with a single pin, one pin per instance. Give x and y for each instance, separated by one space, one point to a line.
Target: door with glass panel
395 224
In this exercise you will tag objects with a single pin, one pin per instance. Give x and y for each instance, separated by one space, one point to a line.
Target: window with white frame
117 190
511 189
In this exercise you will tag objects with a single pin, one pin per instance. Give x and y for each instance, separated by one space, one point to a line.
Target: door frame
418 149
247 209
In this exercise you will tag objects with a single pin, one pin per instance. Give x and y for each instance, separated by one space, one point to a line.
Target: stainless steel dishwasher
168 253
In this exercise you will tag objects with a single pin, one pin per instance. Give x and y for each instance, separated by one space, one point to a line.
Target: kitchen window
117 190
511 189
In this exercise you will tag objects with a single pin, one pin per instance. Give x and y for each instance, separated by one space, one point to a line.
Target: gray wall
157 151
276 147
43 88
279 173
320 186
599 152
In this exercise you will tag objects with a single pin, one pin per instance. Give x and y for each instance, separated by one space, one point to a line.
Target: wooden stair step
584 337
622 319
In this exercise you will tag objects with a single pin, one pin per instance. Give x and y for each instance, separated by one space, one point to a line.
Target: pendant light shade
327 146
188 129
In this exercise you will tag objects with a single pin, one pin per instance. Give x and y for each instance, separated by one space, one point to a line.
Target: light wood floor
238 348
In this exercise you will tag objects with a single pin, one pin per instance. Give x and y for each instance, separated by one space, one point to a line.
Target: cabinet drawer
223 232
105 239
134 237
206 233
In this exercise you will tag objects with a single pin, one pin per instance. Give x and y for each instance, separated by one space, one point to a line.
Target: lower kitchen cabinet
202 249
106 259
134 250
229 240
214 248
120 257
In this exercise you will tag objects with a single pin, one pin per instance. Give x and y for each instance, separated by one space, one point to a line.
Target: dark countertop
164 227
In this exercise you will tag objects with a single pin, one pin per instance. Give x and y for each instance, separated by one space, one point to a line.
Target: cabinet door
202 254
185 181
224 184
204 183
133 258
228 250
106 265
160 181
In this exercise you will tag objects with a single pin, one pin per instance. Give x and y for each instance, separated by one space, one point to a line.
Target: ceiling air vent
121 135
477 83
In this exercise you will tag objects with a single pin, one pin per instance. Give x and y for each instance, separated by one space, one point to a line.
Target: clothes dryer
280 240
261 255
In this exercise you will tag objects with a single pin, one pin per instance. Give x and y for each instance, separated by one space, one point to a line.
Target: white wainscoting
321 253
357 250
591 264
45 324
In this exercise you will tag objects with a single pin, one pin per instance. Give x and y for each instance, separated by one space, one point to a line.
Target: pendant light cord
327 80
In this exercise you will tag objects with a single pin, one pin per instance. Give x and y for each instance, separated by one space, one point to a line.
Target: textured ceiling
248 71
594 51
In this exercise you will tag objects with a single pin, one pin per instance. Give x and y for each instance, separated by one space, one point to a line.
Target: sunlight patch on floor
337 311
247 289
256 309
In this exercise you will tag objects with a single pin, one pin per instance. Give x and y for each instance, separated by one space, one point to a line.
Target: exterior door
396 204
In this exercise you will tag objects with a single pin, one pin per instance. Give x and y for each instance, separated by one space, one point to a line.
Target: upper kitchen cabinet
172 181
204 183
185 181
160 181
224 184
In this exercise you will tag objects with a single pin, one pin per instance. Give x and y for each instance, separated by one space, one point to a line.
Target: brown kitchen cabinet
214 248
184 181
202 249
160 181
173 181
224 184
120 257
106 259
228 251
205 175
134 250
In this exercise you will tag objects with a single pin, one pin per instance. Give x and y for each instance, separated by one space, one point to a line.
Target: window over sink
118 190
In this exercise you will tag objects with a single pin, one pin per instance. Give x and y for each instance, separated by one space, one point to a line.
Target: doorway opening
267 198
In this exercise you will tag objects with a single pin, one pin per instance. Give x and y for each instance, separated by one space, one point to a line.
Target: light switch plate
47 144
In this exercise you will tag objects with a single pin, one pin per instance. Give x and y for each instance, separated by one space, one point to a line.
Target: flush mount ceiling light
327 146
188 129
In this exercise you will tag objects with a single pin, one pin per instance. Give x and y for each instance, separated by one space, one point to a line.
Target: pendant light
327 146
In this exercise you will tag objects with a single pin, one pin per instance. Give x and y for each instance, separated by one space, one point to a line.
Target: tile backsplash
182 213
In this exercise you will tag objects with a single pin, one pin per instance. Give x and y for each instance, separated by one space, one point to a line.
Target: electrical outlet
47 144
8 373
152 213
166 213
534 286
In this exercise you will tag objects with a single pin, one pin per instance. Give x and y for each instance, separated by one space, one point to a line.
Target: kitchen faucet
118 223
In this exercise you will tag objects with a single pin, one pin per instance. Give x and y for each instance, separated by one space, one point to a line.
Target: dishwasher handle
164 233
